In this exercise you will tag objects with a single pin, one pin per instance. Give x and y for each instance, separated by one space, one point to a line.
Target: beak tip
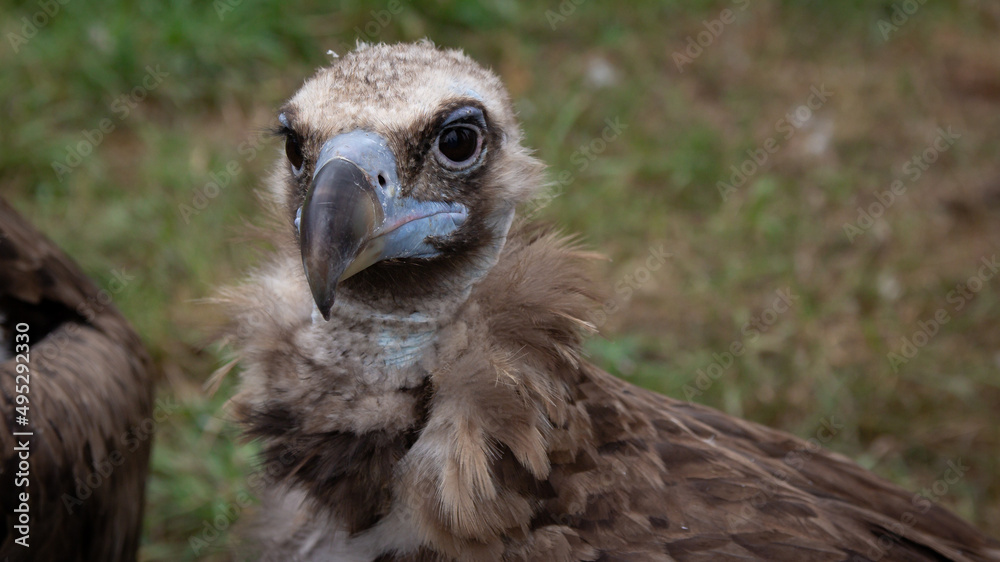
323 296
326 309
324 303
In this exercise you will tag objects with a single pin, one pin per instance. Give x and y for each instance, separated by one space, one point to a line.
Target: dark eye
458 146
293 150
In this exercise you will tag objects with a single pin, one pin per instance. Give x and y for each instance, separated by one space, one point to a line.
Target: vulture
77 404
412 366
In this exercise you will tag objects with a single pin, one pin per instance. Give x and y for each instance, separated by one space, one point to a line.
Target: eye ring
459 146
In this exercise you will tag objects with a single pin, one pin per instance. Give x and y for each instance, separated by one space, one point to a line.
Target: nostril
381 180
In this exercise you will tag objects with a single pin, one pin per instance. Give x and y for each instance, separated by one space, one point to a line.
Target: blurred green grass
228 64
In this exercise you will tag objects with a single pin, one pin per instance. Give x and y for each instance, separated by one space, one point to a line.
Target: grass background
228 64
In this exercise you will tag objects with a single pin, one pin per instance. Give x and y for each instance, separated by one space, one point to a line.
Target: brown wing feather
681 480
90 407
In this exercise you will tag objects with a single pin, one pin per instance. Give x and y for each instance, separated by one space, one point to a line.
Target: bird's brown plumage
461 422
90 390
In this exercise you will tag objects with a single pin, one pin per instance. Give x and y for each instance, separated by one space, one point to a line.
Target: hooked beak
355 216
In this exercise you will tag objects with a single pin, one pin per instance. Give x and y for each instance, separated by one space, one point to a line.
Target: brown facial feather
493 438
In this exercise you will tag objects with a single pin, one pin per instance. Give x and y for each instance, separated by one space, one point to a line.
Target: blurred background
824 177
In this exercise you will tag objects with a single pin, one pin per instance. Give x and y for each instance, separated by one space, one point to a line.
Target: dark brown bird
88 387
413 366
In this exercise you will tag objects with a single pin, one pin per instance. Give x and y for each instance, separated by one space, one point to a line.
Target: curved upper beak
354 215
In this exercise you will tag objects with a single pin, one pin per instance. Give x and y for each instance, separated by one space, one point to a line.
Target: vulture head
401 186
